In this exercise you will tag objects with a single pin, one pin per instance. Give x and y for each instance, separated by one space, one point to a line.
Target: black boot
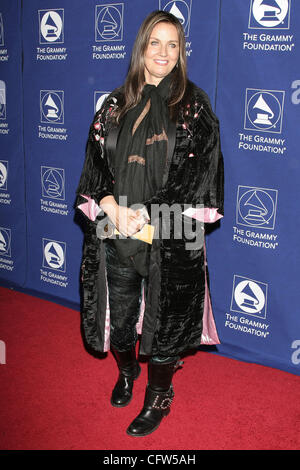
158 398
129 370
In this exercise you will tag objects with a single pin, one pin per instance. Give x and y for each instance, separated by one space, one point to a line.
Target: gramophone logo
1 31
5 242
52 106
51 26
269 14
53 182
249 297
181 9
264 110
2 100
109 22
54 255
3 174
256 207
99 98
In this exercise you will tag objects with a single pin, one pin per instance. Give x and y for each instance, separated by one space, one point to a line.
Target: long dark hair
135 79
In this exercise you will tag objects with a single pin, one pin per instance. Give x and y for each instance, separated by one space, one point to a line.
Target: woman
155 143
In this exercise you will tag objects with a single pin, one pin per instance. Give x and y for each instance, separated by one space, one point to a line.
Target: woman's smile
161 62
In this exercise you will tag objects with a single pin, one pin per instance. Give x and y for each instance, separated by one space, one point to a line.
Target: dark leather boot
129 370
158 399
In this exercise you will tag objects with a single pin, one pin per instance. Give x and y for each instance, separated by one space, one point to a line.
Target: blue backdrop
58 60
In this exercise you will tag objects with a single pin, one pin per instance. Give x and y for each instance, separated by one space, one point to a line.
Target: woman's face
162 52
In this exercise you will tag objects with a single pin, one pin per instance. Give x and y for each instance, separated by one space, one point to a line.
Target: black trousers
125 295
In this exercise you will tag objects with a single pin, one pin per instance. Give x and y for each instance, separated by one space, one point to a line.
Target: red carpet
54 395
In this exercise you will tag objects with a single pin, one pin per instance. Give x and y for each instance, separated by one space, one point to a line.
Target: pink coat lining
89 208
204 214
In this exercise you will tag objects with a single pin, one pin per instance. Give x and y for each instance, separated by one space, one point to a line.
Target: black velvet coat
178 287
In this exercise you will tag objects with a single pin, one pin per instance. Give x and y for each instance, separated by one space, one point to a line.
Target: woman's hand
126 220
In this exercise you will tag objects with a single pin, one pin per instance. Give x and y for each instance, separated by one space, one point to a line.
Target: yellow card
145 234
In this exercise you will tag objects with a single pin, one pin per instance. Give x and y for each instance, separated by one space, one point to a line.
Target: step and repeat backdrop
13 231
59 60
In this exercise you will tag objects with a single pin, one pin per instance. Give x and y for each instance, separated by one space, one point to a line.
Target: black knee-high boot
158 398
129 370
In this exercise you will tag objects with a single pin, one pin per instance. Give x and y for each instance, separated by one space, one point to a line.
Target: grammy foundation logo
5 197
249 297
256 207
255 213
4 55
3 174
6 263
1 31
269 14
54 263
2 100
52 112
181 9
53 190
264 110
109 28
269 21
263 113
248 308
54 255
109 22
53 182
52 106
51 26
5 242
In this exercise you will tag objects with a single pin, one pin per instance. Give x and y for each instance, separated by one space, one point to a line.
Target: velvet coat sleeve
96 179
96 182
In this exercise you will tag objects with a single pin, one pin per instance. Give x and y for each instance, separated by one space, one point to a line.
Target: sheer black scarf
140 160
